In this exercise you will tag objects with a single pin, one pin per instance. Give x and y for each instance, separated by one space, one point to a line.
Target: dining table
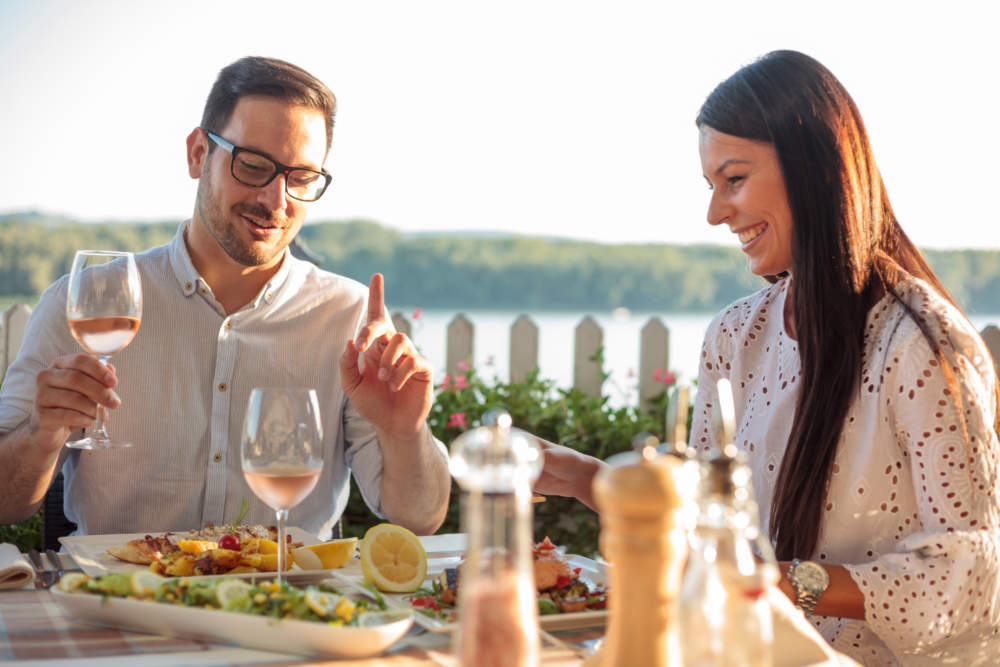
35 629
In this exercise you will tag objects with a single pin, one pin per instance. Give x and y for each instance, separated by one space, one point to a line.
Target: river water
555 343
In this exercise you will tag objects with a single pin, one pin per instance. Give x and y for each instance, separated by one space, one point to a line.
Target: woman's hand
567 472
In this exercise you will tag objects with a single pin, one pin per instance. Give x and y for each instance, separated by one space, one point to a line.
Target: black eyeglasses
257 170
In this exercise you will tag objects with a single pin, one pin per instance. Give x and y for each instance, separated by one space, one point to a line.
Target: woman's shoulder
941 326
944 322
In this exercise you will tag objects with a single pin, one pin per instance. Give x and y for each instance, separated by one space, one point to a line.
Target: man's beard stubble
224 232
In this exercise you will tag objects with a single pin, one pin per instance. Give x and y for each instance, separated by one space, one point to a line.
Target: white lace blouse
913 507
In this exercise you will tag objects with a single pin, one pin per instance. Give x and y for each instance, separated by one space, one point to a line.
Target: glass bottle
725 617
496 465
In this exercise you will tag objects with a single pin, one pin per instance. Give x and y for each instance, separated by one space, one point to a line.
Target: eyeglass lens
257 170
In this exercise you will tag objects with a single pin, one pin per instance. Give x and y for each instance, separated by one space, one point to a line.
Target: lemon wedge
229 590
145 583
321 603
72 581
328 555
393 559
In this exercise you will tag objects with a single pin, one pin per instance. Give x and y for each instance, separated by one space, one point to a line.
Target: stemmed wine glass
103 309
282 451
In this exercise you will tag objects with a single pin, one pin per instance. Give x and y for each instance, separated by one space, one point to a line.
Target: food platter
90 553
444 551
212 625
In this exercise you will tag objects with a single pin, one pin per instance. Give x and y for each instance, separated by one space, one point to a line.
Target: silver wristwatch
809 580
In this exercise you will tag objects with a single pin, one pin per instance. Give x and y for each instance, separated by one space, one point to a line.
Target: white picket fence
654 347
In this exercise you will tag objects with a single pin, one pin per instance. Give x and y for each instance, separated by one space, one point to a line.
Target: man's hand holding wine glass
68 393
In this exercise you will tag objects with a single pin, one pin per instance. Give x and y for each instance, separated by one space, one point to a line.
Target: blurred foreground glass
282 452
725 616
103 310
496 466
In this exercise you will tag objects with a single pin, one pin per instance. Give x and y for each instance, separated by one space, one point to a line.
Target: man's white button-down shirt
184 382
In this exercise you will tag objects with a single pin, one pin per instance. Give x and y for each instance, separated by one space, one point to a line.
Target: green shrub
25 535
565 416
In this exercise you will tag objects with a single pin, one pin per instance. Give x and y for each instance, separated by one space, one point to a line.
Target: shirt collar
188 277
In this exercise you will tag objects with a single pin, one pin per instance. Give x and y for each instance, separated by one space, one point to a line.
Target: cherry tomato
229 542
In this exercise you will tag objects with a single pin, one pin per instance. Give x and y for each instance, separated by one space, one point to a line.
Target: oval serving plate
213 625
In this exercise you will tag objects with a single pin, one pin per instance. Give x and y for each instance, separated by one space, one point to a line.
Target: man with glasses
227 308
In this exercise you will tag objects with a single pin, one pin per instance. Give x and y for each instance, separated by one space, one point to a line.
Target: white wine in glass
103 310
282 452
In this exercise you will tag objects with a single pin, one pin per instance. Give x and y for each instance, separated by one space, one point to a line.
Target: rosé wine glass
282 451
103 310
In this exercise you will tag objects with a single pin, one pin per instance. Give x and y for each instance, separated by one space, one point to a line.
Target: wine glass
103 309
282 451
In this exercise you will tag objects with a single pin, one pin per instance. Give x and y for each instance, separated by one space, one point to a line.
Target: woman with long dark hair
866 401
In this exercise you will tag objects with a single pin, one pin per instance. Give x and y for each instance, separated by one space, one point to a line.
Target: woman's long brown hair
848 251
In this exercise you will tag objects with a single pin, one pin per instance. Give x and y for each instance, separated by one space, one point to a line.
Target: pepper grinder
641 497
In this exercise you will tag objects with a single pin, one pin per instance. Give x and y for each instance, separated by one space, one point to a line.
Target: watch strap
805 599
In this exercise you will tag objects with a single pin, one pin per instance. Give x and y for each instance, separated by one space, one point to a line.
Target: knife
57 562
43 577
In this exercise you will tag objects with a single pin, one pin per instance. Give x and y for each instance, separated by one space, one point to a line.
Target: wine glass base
97 443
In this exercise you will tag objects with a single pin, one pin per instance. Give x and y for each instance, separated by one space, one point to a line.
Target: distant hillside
486 270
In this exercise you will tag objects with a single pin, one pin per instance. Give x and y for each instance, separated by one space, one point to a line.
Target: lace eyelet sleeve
937 594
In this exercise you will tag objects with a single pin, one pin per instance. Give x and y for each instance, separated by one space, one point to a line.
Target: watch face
811 577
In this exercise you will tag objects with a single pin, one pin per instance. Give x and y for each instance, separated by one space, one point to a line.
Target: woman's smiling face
748 195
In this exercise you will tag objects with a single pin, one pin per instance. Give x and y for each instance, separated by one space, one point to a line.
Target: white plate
444 551
212 625
90 553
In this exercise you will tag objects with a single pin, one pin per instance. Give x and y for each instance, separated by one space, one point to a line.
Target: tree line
455 271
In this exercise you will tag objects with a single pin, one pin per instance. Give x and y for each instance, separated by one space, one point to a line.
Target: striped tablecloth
34 627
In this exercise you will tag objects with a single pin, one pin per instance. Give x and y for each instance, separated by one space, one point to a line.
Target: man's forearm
26 471
415 482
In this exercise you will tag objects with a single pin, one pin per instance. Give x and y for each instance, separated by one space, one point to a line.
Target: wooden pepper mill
641 498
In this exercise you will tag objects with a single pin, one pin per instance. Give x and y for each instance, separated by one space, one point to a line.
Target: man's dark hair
268 77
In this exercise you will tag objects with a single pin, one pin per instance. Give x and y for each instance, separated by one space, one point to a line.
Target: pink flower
460 382
463 365
664 376
631 373
457 420
445 382
417 313
490 360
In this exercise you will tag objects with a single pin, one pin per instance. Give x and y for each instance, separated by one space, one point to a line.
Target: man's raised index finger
376 298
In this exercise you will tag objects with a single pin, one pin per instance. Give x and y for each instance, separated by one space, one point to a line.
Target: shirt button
269 296
202 290
229 324
188 286
222 386
217 458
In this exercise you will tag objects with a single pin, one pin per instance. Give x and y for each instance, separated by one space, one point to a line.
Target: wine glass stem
282 549
99 429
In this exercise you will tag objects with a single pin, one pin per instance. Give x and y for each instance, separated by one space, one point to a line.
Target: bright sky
565 118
